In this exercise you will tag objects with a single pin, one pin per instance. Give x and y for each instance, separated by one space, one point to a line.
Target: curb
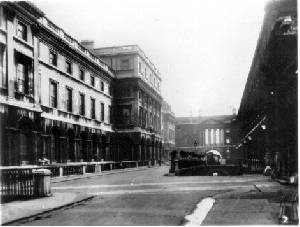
70 178
49 210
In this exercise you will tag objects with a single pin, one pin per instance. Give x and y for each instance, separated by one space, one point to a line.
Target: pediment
212 122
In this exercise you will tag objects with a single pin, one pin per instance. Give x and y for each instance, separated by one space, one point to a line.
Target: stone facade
268 114
137 101
204 133
61 102
168 122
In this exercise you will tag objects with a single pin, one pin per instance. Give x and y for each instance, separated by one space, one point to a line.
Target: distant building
204 133
137 102
56 95
268 114
168 130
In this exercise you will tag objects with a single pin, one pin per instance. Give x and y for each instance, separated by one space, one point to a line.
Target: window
53 94
141 115
22 31
140 95
92 81
126 113
3 79
145 72
25 80
110 90
22 74
102 86
145 120
140 67
102 111
109 118
125 64
150 78
154 82
69 67
53 58
81 104
227 130
93 108
227 140
69 99
81 74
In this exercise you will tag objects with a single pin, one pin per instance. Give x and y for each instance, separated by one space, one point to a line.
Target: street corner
17 210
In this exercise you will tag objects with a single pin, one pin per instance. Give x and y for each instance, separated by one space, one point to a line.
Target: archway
26 146
148 149
71 145
55 142
143 149
83 148
103 147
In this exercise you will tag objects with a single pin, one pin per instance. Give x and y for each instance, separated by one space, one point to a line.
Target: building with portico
204 133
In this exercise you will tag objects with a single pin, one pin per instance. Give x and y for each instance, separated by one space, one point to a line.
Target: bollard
149 164
83 170
60 172
137 165
176 167
42 186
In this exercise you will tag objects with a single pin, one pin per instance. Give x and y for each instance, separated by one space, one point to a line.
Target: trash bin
42 185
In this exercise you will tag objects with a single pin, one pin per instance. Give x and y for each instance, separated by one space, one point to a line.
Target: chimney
234 111
88 44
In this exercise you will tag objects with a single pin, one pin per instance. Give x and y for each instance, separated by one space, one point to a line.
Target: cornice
48 38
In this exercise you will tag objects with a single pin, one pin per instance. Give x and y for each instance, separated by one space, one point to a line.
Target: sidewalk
260 206
18 210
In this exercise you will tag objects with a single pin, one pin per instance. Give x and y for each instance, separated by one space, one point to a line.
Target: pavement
239 207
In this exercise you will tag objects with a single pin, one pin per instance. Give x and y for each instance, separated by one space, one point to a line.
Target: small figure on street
268 171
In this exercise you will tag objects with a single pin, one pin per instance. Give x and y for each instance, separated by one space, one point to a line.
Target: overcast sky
203 49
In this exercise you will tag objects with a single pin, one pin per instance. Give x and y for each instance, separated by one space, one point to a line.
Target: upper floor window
227 140
125 64
22 31
140 95
227 130
53 94
154 82
81 104
69 67
92 81
110 90
102 111
24 76
102 86
3 77
81 74
145 72
140 67
53 58
69 99
93 115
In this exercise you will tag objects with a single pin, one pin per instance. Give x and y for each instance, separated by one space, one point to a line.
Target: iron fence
16 184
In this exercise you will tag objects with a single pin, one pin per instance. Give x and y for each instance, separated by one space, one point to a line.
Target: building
268 113
137 102
168 131
205 133
56 97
